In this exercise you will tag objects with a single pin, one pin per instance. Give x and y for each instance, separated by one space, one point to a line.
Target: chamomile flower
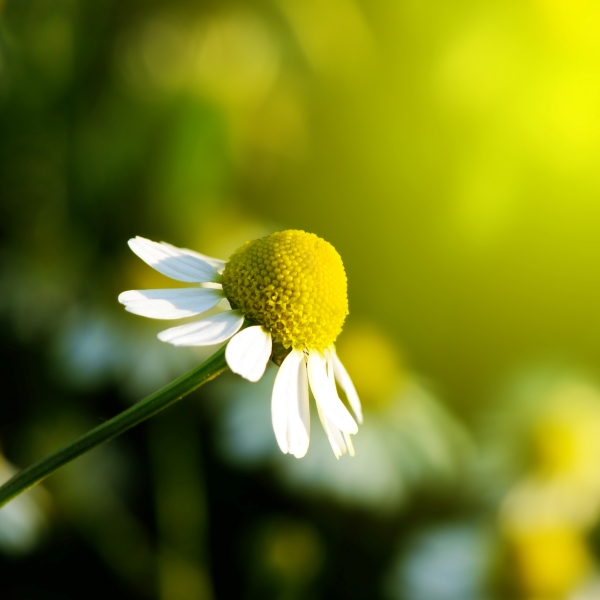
289 288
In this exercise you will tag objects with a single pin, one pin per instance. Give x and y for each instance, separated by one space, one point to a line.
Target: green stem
139 412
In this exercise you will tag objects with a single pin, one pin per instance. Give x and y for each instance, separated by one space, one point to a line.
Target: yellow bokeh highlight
375 363
334 35
293 551
550 562
565 440
478 67
561 118
574 23
229 57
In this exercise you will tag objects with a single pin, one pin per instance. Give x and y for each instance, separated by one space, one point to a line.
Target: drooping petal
206 332
349 444
217 263
248 352
326 395
172 303
289 405
341 439
346 383
336 438
173 262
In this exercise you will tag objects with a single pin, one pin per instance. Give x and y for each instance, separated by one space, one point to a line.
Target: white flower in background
290 288
444 562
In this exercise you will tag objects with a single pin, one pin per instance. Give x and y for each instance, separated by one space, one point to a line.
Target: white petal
217 263
326 395
346 383
289 405
340 440
173 262
334 435
349 444
170 304
248 352
210 330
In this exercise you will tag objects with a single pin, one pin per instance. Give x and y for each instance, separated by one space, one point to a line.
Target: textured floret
294 284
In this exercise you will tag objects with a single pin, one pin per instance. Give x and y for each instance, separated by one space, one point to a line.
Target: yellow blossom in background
549 511
549 562
376 363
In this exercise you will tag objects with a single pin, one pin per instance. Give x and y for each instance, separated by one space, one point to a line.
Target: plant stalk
139 412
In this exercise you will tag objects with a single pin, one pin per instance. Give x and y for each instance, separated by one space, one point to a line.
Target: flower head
293 283
289 289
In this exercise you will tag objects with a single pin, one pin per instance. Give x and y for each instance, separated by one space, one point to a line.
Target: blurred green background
451 154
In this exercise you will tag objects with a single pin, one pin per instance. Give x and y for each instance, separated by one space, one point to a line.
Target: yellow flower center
294 284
